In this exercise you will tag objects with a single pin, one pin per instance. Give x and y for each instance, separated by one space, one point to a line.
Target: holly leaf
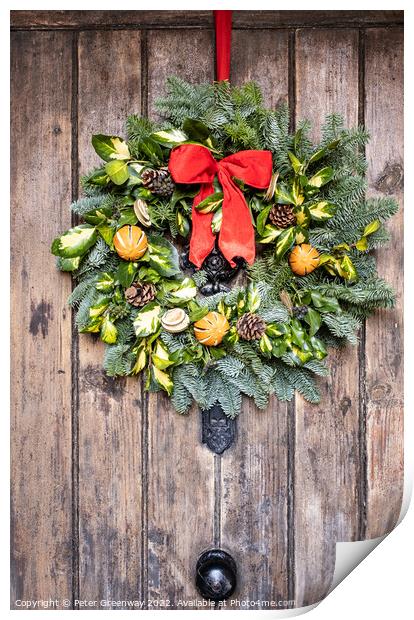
211 203
270 233
187 290
302 216
140 361
162 379
322 177
127 217
196 130
325 304
296 164
98 177
105 282
160 357
110 147
147 320
362 244
125 273
283 195
151 149
253 298
348 267
285 241
68 264
109 332
301 235
163 256
99 307
317 155
321 211
117 171
371 228
97 216
261 220
93 326
169 137
297 194
75 242
314 320
265 345
320 351
217 221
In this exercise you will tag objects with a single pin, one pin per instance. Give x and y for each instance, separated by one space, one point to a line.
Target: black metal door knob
216 575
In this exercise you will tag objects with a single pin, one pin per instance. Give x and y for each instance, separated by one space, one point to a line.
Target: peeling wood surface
129 495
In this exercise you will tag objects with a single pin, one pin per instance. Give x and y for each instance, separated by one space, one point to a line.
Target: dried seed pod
141 211
175 320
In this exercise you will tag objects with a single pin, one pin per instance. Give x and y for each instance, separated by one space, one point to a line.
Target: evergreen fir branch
200 278
82 206
81 291
89 299
99 257
343 326
281 384
116 361
317 367
126 332
225 393
189 384
139 127
304 383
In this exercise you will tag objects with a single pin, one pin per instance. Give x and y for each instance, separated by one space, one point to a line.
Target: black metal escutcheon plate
218 430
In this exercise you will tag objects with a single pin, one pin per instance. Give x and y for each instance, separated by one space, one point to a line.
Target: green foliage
325 186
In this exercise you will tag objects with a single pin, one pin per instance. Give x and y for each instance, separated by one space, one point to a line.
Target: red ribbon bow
191 163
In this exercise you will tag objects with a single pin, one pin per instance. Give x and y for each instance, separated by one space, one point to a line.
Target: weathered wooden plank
110 410
41 495
202 19
327 448
384 360
254 477
187 54
180 469
262 56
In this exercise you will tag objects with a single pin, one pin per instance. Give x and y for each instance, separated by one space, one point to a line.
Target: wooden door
114 496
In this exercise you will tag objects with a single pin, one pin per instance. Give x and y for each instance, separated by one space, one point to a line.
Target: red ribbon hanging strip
193 163
223 43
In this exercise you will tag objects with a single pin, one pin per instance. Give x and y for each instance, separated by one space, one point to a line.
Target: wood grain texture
384 345
110 410
180 468
254 481
189 19
327 446
262 56
187 54
41 501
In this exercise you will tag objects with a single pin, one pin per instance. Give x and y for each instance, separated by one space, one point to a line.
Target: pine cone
159 182
282 216
140 293
250 326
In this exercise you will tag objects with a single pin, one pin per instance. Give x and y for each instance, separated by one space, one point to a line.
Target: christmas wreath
225 173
